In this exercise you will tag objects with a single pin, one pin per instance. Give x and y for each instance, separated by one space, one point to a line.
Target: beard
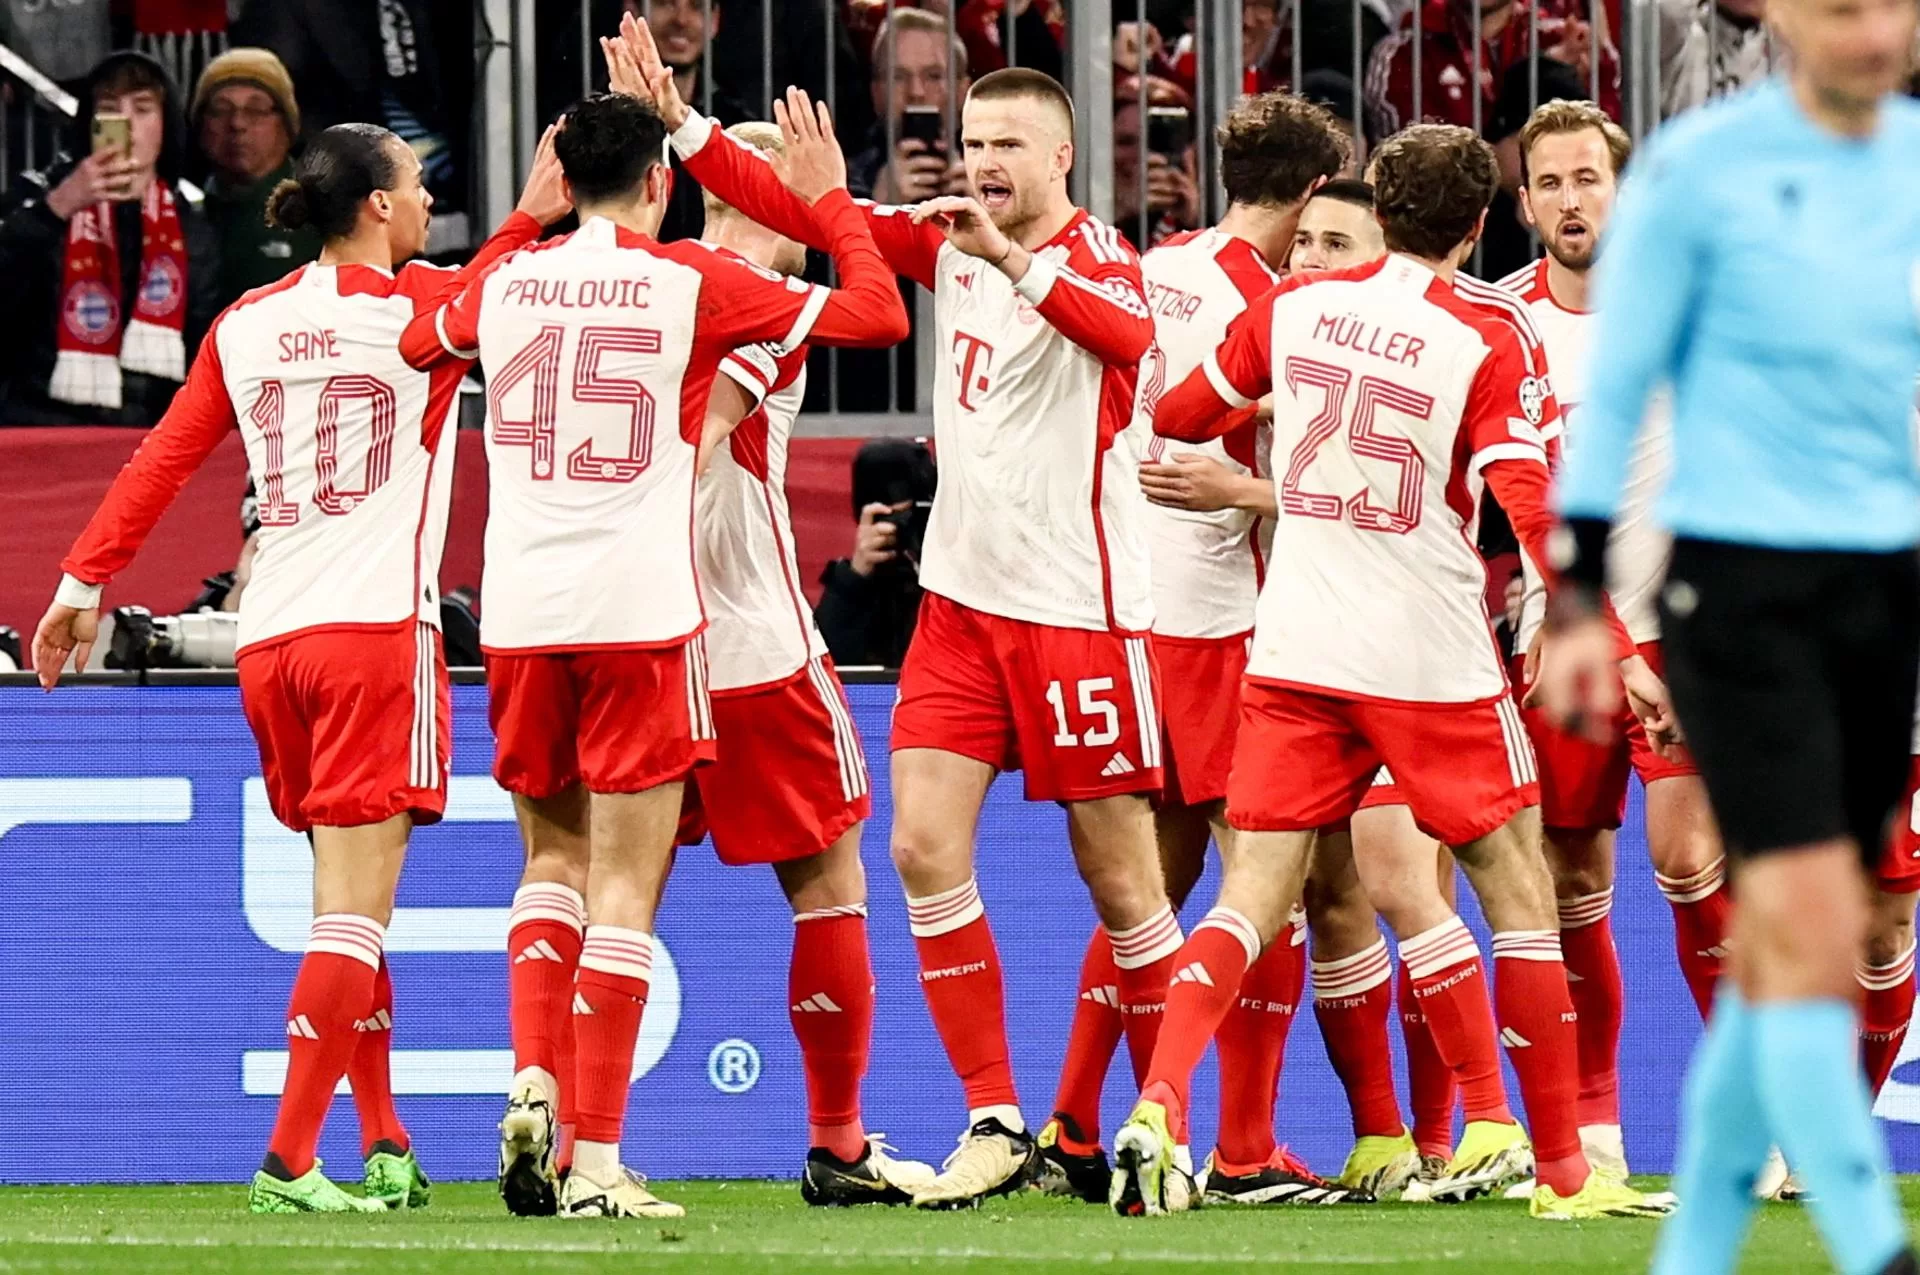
1578 257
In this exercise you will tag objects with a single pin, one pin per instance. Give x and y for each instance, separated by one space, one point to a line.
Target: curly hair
1431 182
1274 146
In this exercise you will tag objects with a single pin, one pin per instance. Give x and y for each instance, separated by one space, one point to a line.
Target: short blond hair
1559 116
758 134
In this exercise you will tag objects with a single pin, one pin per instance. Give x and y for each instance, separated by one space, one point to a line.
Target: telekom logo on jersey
276 878
972 359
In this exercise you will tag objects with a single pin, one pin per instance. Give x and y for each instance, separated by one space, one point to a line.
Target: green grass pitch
762 1227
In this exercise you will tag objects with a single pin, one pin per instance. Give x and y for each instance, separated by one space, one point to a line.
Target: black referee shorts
1793 675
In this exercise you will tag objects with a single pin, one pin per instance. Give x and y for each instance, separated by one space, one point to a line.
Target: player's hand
1190 481
103 176
913 174
650 71
545 197
1579 679
966 225
1530 665
815 164
873 540
1648 698
64 631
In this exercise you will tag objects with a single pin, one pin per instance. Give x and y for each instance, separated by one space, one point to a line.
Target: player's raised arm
1218 396
200 416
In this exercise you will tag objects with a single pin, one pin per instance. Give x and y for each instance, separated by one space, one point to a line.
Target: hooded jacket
33 253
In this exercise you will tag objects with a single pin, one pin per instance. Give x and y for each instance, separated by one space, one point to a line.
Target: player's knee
831 879
1122 893
1890 931
1580 865
927 862
1340 918
559 864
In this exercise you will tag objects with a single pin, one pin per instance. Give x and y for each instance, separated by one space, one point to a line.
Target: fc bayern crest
91 313
162 289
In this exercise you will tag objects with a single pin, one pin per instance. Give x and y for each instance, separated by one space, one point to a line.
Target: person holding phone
1162 139
112 274
919 73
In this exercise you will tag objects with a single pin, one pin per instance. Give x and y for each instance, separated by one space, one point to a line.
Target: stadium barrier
157 913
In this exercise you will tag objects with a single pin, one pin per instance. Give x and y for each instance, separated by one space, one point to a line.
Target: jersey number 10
540 360
269 414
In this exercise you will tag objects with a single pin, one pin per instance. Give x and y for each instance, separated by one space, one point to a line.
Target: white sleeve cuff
809 313
1221 385
1038 281
77 593
736 370
691 137
1507 451
446 343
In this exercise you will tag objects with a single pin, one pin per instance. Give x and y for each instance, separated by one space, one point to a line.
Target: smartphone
112 133
924 125
1169 130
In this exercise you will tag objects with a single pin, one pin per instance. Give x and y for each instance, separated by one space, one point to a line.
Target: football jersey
1038 515
1392 394
344 433
599 349
1205 566
762 630
1638 547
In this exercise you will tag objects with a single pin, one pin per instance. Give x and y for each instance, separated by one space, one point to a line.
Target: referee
1765 265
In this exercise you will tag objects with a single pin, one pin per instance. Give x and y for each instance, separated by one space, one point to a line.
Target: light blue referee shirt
1770 272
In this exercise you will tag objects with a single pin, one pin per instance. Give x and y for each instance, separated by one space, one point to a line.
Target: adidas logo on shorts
1118 765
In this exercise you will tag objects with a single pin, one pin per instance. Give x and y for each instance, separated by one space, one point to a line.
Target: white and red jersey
1638 547
600 349
1394 399
1206 566
344 426
1039 515
762 629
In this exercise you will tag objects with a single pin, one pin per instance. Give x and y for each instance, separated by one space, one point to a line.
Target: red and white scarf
94 341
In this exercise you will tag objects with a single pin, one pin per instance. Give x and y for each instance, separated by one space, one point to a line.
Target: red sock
1538 1028
960 974
1206 980
1701 910
370 1074
830 990
609 997
1095 1034
1143 966
332 991
1884 1015
1252 1044
1429 1079
1351 999
1599 1000
1451 990
543 954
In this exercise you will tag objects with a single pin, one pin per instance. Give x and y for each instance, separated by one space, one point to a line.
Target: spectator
1039 34
111 274
247 120
910 74
1172 194
871 601
1449 60
1266 42
375 61
1709 48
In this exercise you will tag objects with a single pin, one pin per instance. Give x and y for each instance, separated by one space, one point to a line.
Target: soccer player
1274 149
788 784
1765 263
1885 971
1337 229
341 674
1571 158
1394 400
600 351
1032 647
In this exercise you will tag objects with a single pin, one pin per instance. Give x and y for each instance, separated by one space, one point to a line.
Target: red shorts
1200 698
617 721
1584 784
1078 710
1306 761
354 725
788 779
1899 868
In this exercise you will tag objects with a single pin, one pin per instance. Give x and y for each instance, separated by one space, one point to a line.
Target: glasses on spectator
907 77
226 113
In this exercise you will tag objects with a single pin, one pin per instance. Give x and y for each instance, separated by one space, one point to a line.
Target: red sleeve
740 305
740 175
200 416
1097 300
446 303
1216 396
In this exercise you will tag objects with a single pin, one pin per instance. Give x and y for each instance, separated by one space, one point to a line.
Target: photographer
871 601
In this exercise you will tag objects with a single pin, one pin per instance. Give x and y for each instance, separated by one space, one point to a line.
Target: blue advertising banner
155 914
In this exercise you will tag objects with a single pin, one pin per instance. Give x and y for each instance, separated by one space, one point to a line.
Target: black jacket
868 619
32 256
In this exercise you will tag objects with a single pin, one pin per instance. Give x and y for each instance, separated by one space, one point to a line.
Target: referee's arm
1649 275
